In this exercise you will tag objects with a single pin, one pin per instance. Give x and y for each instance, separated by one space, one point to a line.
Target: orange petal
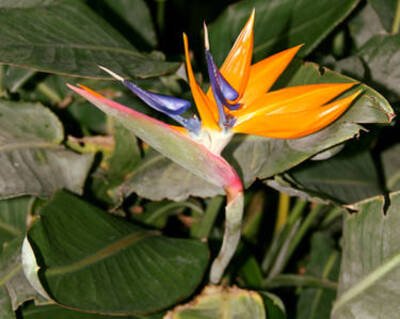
264 74
292 99
236 68
297 124
207 109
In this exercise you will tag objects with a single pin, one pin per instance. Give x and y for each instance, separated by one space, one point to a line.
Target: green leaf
6 311
57 312
32 160
381 54
389 13
113 171
316 303
364 25
391 167
274 306
173 181
347 178
14 287
232 302
134 16
13 218
370 262
66 37
278 25
95 262
14 77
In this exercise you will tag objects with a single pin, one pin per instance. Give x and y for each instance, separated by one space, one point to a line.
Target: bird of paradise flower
239 100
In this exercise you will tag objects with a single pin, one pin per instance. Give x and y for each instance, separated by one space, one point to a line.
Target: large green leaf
32 160
135 17
66 37
6 311
57 312
388 11
217 301
173 181
98 263
316 303
370 265
364 25
381 55
279 24
259 157
14 287
391 167
348 177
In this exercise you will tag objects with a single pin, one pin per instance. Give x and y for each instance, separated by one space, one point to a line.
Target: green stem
283 211
285 254
333 214
161 211
289 280
203 228
396 20
285 235
304 229
49 92
297 211
233 223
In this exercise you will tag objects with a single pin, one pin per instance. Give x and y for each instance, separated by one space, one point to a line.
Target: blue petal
163 103
221 87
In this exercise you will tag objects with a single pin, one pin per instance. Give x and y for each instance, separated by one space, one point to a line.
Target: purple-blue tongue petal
163 103
221 87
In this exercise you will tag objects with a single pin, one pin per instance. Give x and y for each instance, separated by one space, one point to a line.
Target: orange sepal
236 67
89 90
264 74
296 124
207 111
292 99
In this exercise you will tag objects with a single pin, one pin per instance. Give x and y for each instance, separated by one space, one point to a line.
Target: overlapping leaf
32 160
279 24
66 37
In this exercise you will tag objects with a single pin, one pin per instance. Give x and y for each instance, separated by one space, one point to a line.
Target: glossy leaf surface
95 262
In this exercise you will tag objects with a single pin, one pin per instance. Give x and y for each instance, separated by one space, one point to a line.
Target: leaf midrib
29 145
78 46
101 254
366 282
